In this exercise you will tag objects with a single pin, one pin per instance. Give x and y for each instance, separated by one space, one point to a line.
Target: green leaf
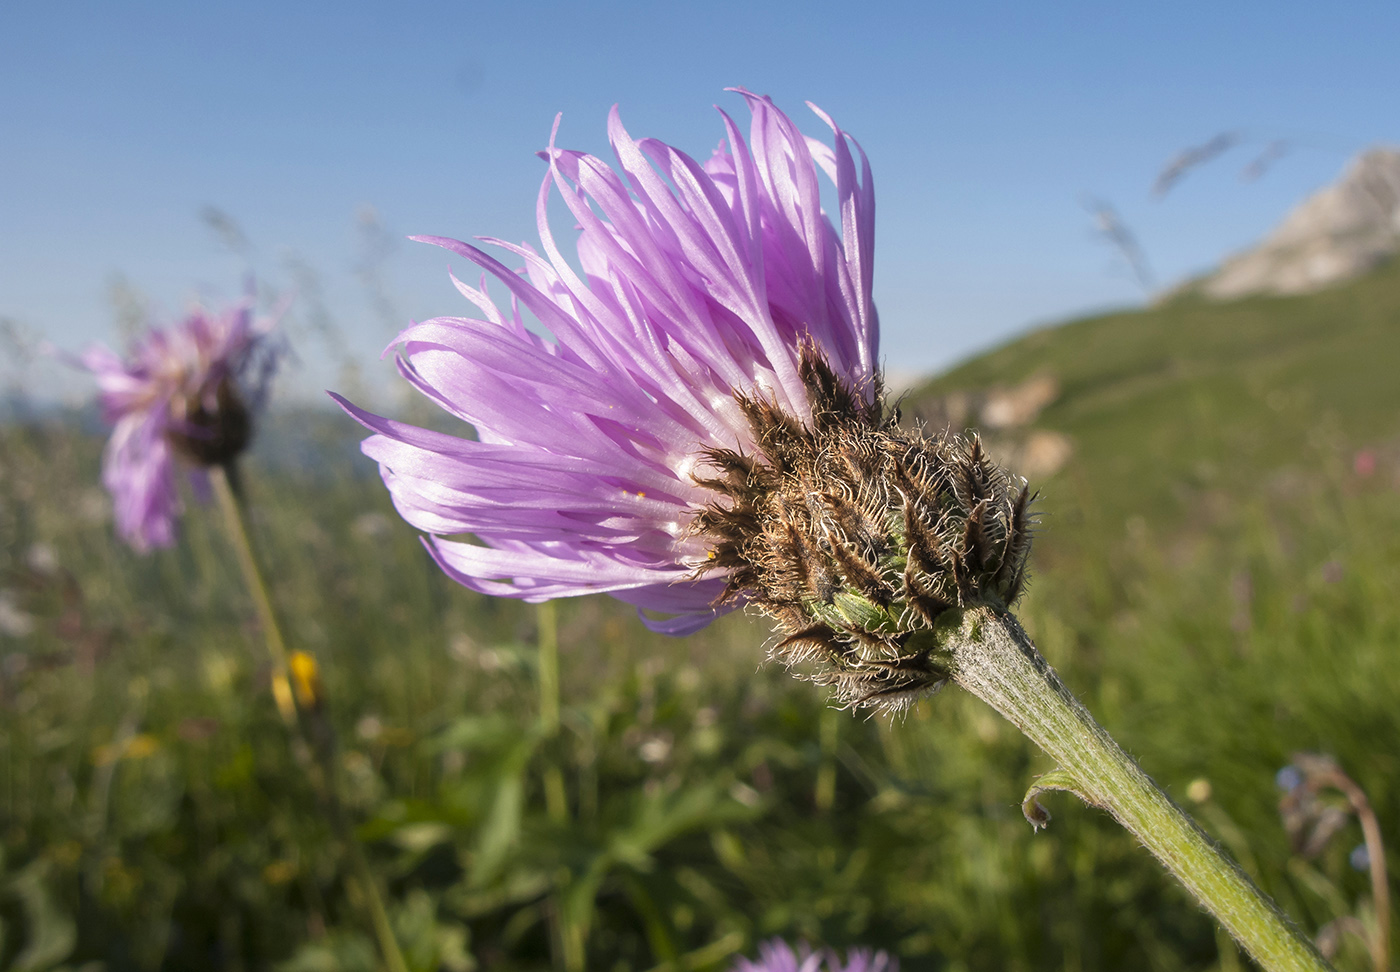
501 830
1057 779
50 932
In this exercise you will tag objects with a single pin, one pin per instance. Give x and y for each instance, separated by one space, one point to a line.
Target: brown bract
862 540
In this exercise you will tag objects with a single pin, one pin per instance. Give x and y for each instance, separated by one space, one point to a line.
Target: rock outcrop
1336 234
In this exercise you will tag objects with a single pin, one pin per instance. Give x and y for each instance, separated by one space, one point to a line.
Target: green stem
379 917
829 728
995 660
549 667
222 480
555 797
299 719
1378 939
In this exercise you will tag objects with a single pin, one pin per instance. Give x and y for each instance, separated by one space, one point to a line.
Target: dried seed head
864 541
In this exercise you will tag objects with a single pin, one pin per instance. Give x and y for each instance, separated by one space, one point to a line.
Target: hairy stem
995 660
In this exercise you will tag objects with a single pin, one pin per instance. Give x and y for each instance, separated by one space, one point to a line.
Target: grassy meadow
1216 574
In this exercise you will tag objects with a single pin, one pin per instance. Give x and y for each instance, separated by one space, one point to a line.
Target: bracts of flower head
699 284
778 956
184 393
864 541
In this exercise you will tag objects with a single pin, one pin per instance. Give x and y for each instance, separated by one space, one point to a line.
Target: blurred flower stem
555 797
223 478
828 730
566 934
303 712
1380 882
994 659
1317 772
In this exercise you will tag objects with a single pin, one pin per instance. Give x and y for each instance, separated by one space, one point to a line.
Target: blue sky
120 123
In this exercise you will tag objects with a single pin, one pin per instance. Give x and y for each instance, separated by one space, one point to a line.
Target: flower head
707 429
701 283
181 391
778 956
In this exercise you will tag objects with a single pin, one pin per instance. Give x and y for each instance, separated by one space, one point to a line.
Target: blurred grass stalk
303 712
995 660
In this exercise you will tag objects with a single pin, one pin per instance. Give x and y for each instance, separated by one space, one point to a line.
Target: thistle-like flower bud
863 540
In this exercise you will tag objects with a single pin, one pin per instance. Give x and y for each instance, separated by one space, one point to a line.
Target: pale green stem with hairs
324 776
992 657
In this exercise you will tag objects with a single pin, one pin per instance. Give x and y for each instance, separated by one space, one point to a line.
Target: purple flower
699 281
184 390
777 956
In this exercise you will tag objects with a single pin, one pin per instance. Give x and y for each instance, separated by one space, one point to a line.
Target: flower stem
1378 938
995 660
555 797
547 614
307 720
829 728
222 479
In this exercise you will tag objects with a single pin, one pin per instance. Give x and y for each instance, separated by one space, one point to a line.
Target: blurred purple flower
778 956
185 390
698 281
